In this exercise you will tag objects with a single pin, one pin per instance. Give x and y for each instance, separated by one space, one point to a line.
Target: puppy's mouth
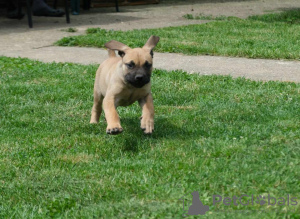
137 80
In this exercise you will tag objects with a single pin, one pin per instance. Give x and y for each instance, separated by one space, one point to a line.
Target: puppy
120 81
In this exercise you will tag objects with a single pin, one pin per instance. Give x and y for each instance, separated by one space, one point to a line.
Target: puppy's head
136 63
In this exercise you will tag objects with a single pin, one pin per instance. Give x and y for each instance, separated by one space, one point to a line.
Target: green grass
206 17
288 16
256 37
70 30
213 134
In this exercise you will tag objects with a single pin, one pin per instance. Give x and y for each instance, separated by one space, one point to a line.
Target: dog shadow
163 128
133 139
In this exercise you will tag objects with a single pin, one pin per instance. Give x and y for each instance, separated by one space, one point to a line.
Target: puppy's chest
128 98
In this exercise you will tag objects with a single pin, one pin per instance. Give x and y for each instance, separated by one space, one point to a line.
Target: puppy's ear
115 45
151 43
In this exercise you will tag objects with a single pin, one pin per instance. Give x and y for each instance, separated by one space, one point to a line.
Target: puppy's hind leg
97 107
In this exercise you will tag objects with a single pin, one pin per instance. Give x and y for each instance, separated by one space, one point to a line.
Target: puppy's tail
111 53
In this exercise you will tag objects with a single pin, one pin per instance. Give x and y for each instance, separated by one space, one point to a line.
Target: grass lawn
273 36
288 17
213 134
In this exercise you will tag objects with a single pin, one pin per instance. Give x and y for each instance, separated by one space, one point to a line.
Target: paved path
36 43
256 69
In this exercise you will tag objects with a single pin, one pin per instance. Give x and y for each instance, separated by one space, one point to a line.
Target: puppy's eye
147 65
130 65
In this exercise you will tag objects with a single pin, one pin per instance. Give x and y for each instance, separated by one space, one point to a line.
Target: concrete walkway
17 40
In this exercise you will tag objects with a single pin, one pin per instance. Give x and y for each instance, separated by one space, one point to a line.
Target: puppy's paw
114 130
147 125
94 122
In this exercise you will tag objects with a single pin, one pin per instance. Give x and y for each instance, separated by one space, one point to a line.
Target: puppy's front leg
147 120
111 115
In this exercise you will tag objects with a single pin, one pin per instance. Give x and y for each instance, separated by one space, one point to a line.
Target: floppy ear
115 45
151 43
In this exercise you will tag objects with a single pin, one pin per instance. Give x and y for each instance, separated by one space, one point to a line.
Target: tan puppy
120 81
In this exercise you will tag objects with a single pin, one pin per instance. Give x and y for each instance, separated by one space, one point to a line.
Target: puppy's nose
139 77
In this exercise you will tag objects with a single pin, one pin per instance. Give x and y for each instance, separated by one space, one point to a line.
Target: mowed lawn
213 134
271 36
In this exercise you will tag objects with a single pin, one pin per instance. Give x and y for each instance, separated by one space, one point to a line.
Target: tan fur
112 89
